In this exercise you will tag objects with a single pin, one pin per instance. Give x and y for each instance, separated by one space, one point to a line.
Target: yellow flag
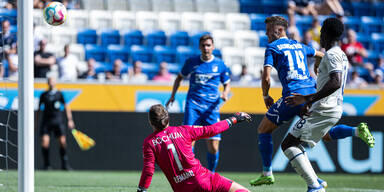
83 140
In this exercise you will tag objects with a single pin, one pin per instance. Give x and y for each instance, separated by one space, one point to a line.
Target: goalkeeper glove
141 189
239 117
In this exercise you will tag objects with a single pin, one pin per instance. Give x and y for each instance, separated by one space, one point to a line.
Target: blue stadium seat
303 22
257 21
364 39
379 9
372 57
150 69
163 53
263 39
371 24
184 52
156 38
347 6
378 41
273 6
109 36
174 68
217 53
132 37
101 67
194 39
124 67
352 23
6 67
10 15
362 9
95 51
118 52
141 53
250 6
179 38
87 36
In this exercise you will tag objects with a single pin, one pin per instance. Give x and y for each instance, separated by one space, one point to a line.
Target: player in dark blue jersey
203 99
289 58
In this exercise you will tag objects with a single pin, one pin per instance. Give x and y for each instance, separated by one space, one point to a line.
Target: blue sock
266 150
213 160
341 131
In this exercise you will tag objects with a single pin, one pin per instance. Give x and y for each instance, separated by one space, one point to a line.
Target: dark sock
45 152
64 157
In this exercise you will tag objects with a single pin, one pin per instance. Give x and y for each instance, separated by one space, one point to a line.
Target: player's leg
191 117
223 184
45 141
60 134
213 143
342 131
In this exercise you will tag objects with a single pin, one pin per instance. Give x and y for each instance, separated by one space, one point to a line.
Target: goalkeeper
171 148
52 102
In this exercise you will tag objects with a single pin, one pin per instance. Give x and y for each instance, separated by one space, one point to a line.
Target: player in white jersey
323 109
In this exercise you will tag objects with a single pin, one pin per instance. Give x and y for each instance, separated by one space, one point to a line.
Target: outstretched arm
176 86
148 169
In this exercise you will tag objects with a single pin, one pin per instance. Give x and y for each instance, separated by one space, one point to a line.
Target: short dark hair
333 28
277 20
158 116
205 37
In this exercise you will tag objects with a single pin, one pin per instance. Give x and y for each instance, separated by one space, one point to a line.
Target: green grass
108 181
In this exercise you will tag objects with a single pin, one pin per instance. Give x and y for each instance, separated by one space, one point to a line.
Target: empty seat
78 50
93 4
174 68
233 56
238 21
303 22
178 38
117 5
43 31
162 5
214 21
150 69
10 15
78 18
184 6
154 38
101 67
228 6
63 35
185 52
169 21
257 21
379 9
206 6
362 8
273 7
96 52
192 22
87 36
123 20
118 52
378 41
100 19
371 24
195 38
372 57
352 22
250 6
147 21
364 39
141 53
132 37
263 39
109 36
223 38
244 39
163 53
139 5
254 59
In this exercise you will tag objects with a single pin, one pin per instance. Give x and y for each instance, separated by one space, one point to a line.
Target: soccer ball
55 13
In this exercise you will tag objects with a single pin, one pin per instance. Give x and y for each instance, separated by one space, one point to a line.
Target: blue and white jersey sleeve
268 57
187 68
225 75
310 51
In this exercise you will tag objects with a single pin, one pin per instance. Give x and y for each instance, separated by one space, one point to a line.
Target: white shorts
312 129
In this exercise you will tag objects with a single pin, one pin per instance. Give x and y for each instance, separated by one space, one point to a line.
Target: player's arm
266 85
200 132
318 56
148 169
176 86
39 61
227 88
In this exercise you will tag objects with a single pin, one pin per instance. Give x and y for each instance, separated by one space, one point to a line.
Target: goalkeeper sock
342 131
213 160
266 150
45 152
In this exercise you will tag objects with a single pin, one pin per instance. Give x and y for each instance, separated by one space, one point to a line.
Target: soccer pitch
121 181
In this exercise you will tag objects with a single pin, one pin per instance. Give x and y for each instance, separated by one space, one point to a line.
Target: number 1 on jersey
175 155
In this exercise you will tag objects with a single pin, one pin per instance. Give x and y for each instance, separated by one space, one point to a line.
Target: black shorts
58 129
